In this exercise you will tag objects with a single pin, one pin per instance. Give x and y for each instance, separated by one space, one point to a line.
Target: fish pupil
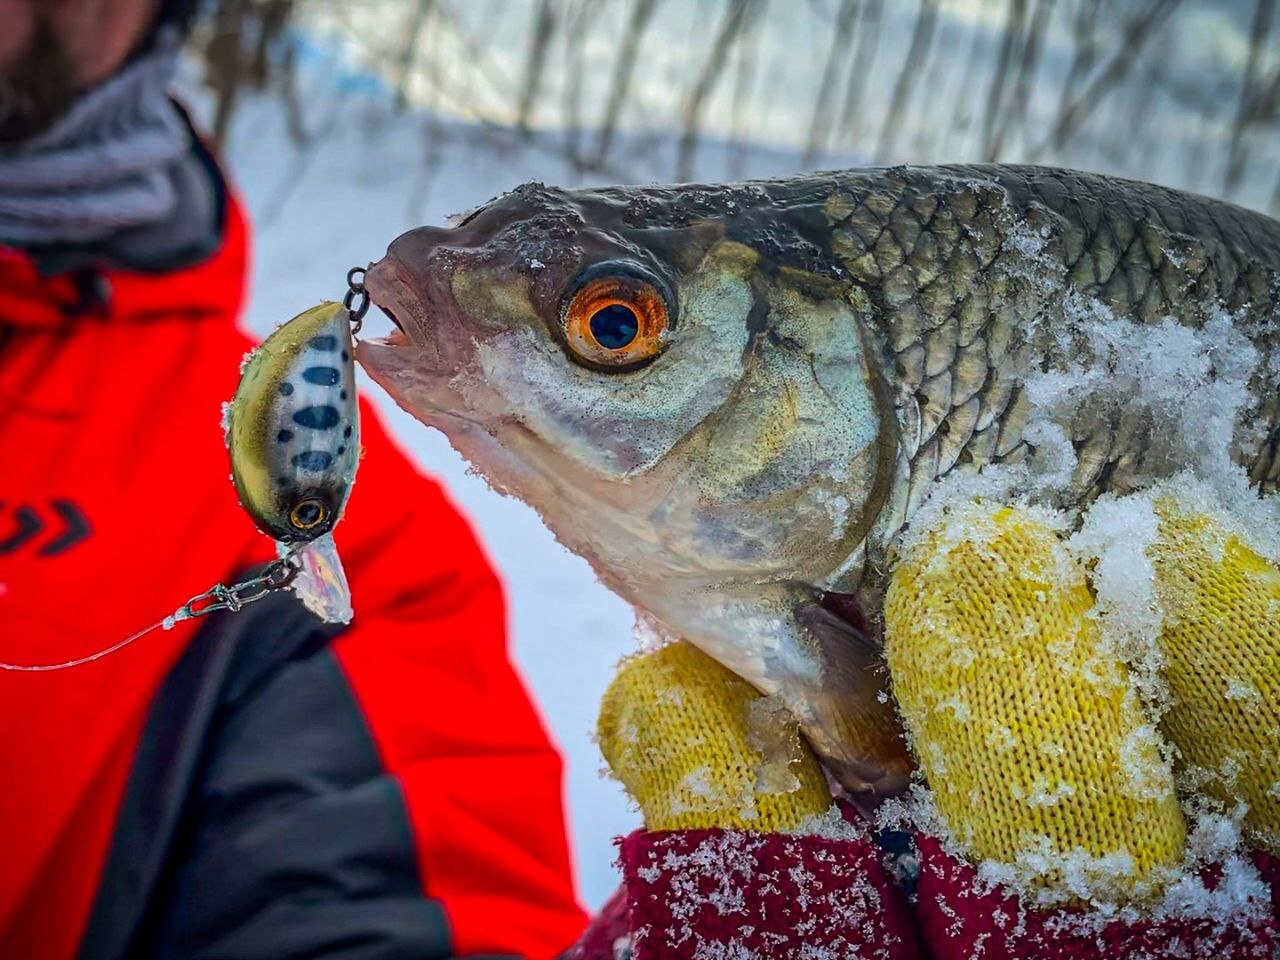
614 326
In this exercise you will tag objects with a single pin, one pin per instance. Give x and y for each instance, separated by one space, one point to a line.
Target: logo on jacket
49 529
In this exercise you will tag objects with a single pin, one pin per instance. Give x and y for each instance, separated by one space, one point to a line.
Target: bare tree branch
737 17
1137 33
641 15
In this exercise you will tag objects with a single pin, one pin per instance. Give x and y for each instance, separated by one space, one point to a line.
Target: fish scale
1118 244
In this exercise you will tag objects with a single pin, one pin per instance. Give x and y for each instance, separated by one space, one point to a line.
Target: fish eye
616 322
308 514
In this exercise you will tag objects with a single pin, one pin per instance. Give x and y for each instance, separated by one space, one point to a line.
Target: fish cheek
784 471
489 300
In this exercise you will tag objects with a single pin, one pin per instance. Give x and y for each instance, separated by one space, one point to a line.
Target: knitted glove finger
1220 649
1039 755
696 746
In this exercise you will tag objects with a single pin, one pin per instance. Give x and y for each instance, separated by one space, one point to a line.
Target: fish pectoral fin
854 727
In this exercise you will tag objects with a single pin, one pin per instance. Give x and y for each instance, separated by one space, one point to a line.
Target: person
242 785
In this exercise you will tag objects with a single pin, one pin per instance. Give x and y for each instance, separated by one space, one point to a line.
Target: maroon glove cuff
699 893
959 919
1269 866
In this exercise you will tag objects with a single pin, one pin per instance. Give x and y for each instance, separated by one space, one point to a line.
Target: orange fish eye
616 322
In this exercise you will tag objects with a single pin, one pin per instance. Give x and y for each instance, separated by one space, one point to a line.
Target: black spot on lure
293 429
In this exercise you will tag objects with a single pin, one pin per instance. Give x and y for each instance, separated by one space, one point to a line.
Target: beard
38 88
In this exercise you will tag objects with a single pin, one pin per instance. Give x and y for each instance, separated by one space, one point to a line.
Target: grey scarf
116 181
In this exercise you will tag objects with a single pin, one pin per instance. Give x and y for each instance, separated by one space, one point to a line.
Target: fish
293 427
731 400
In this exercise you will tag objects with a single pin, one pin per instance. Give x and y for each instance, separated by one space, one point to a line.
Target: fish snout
414 285
394 287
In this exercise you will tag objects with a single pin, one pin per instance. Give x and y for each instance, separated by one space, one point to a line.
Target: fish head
673 377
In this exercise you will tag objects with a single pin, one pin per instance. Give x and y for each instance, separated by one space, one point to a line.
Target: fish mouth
392 289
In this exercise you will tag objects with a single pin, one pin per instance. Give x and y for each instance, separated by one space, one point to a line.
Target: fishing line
65 664
277 575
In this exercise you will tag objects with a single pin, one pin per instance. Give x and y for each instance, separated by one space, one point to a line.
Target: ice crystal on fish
1191 383
228 408
1114 541
772 731
650 633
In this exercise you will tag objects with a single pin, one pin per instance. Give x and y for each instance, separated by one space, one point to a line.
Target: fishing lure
293 436
293 432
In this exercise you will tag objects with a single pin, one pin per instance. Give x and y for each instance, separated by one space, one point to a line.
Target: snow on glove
1042 761
719 771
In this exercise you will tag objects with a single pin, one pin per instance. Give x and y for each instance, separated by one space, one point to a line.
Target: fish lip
391 288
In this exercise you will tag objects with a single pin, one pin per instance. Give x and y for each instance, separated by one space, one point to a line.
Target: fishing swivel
276 575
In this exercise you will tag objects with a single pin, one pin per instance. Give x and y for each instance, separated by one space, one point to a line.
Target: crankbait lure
292 429
293 435
293 432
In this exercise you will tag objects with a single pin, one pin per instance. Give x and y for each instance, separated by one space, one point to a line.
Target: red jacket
253 784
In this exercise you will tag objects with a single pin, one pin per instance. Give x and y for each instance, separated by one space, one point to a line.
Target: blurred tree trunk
1013 114
860 69
912 68
535 63
641 15
738 17
823 106
999 86
408 57
579 18
224 66
1250 94
744 77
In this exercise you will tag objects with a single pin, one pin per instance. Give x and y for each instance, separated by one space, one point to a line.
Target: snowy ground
366 177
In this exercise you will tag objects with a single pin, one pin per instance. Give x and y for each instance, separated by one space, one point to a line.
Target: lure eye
308 514
616 322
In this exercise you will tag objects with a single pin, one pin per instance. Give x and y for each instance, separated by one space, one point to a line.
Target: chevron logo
53 530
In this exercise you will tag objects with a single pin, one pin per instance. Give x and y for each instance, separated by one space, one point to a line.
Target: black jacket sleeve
258 821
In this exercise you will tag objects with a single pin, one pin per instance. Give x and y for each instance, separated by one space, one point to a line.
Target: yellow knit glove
1024 726
1221 647
1024 721
697 746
